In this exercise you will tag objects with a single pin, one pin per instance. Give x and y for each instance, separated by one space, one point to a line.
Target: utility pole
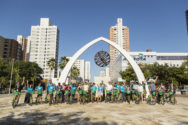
11 75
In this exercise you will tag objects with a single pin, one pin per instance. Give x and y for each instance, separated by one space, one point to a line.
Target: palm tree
64 60
51 64
75 72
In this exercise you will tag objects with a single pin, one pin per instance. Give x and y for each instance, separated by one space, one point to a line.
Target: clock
102 58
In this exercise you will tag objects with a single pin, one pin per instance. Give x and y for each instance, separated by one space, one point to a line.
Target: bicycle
67 96
108 93
161 98
31 97
138 99
72 93
152 99
58 97
133 95
172 98
114 96
15 98
39 93
128 96
93 95
50 97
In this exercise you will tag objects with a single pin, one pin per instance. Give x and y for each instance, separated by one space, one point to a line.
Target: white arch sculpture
135 66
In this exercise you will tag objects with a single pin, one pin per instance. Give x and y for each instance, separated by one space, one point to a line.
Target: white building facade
84 68
87 71
104 77
44 45
171 59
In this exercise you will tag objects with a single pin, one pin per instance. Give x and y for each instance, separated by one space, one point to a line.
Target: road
93 113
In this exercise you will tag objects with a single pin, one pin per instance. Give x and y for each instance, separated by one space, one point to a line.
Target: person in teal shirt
28 93
122 92
100 92
118 86
39 89
73 90
93 88
51 88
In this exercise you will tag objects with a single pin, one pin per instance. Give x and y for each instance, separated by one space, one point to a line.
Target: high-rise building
10 48
87 71
25 43
44 45
120 35
186 14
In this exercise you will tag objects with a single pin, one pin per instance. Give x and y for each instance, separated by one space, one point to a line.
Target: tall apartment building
10 48
120 35
25 43
44 44
87 71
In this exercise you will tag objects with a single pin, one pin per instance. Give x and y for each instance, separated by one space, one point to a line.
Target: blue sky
156 24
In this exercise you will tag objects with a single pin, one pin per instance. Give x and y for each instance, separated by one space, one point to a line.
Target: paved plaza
93 113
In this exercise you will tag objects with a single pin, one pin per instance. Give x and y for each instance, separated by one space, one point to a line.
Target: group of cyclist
91 92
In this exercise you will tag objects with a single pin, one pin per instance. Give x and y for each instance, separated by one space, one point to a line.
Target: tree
51 64
21 69
63 61
75 72
166 74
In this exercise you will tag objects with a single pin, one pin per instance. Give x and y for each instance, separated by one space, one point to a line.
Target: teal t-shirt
29 89
123 88
39 88
100 89
118 86
73 88
94 88
51 88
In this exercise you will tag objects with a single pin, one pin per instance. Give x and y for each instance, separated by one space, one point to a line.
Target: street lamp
11 75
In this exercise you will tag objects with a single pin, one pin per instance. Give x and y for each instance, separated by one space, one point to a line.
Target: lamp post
11 75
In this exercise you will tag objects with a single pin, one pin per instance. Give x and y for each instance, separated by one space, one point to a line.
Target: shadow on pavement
42 118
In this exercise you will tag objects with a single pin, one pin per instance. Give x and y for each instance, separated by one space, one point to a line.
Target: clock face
102 58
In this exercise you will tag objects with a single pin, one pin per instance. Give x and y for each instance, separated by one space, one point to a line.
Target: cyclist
39 89
79 89
28 93
93 92
73 90
152 85
46 87
109 88
118 86
100 92
128 94
59 91
51 89
122 92
141 91
18 88
67 93
161 90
